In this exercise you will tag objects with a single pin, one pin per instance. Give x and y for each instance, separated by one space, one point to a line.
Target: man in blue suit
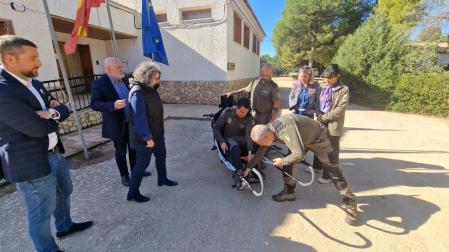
30 152
110 96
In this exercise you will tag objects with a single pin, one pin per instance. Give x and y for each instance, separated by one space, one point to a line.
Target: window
161 18
254 43
237 28
196 14
258 47
6 28
246 36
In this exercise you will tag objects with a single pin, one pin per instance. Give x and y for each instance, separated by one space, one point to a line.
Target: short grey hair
146 71
259 132
10 44
266 66
109 60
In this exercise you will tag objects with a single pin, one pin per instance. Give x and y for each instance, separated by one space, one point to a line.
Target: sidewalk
93 138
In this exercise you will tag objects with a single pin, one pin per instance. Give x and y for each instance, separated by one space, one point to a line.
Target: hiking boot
351 213
287 194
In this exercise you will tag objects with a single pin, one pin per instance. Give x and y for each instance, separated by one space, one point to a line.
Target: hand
54 103
277 162
250 157
228 94
150 143
44 114
224 147
119 104
246 172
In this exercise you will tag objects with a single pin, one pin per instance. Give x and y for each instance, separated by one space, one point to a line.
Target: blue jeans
143 159
48 196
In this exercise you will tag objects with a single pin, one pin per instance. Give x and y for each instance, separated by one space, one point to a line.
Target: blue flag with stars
153 47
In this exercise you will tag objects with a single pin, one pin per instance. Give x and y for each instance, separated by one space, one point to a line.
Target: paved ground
397 165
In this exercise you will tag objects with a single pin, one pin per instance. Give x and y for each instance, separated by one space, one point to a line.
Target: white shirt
52 137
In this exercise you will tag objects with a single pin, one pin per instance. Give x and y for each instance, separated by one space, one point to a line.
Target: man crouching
300 134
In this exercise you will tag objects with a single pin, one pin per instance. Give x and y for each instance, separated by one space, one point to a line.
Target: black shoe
76 227
125 180
138 198
167 182
284 195
147 174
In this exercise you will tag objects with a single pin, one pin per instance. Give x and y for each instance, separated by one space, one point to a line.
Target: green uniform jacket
263 95
335 118
295 131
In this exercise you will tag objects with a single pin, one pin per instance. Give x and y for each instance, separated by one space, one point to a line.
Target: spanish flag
81 23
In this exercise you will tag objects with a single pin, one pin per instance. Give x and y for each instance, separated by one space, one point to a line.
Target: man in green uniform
264 96
301 134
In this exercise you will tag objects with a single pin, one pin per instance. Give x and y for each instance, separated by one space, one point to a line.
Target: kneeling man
300 134
233 130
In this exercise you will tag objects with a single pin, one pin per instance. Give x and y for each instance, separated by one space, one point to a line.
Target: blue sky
268 12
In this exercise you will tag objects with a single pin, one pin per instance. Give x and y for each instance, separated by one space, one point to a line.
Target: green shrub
422 93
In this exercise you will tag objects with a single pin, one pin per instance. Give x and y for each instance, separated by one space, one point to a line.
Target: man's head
266 71
262 135
243 107
114 68
332 74
20 56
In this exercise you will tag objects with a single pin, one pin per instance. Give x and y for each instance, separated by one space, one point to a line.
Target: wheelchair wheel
255 183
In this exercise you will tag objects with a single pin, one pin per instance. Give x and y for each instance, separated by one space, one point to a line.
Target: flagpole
66 80
114 41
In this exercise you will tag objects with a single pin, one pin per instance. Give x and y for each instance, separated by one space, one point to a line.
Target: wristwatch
54 114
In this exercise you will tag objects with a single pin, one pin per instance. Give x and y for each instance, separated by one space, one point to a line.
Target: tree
275 62
376 55
430 33
314 29
402 14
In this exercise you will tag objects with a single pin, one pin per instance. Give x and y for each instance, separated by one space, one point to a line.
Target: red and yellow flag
81 23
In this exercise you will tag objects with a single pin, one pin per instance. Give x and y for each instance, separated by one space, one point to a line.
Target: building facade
212 45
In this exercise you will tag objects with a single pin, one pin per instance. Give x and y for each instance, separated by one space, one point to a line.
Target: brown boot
351 213
287 194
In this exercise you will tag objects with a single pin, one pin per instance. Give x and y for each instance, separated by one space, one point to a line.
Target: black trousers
236 146
121 148
328 158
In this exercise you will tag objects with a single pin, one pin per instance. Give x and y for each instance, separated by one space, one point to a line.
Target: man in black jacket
110 97
29 148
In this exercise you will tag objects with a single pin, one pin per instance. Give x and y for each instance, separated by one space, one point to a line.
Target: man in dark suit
29 148
110 96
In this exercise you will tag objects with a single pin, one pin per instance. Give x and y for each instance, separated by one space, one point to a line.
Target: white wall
33 26
246 62
123 20
97 50
196 51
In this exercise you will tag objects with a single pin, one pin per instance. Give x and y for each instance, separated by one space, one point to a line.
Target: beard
31 73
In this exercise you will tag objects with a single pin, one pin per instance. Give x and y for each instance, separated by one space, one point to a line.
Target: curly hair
146 71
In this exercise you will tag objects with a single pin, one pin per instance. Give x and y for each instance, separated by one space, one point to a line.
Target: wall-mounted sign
231 66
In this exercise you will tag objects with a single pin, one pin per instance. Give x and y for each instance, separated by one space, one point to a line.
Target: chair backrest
226 101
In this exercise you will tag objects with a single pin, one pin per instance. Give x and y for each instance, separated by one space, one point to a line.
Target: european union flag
153 47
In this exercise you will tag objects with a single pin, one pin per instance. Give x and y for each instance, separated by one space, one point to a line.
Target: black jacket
23 134
103 98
